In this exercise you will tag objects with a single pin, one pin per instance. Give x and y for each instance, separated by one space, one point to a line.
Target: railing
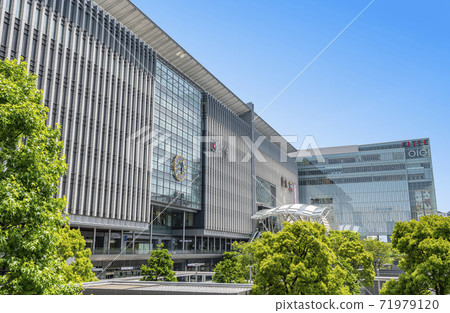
256 235
147 251
196 251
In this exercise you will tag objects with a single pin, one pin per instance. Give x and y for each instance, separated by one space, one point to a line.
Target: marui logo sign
416 148
418 153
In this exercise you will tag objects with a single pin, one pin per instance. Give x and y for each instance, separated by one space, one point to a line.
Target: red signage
286 184
415 143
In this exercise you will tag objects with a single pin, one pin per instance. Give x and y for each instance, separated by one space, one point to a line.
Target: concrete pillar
93 240
132 247
109 240
151 228
123 245
184 229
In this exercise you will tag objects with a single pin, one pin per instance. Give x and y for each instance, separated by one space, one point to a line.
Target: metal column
122 244
151 228
109 240
184 229
132 245
93 240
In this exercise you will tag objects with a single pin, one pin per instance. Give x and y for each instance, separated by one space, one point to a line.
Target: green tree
246 259
160 266
353 257
76 265
382 252
31 163
425 245
297 261
229 270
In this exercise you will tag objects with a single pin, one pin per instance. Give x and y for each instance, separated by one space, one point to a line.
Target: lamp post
379 282
250 268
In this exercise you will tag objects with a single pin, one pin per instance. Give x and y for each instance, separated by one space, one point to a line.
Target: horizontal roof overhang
306 210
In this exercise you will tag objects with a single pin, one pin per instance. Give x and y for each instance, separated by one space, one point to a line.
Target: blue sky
385 78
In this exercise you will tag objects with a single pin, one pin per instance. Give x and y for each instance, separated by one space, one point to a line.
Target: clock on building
179 168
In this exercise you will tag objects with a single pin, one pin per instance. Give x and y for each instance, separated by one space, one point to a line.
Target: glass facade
266 193
372 188
177 121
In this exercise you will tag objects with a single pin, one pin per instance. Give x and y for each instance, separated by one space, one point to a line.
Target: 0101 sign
418 153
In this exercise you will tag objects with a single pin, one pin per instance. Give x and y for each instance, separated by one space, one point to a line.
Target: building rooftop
297 212
354 148
136 287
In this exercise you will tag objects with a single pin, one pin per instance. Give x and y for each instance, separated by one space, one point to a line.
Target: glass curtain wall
177 124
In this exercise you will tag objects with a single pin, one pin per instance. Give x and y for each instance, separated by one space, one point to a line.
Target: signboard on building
415 143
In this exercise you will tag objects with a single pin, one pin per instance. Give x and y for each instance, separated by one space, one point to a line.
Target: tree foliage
245 256
229 270
353 257
160 266
425 245
297 261
382 252
76 265
31 163
302 259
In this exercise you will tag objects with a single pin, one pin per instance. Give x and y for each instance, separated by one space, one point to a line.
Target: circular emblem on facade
179 168
417 153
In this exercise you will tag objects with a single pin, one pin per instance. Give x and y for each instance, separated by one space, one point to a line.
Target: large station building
158 149
370 186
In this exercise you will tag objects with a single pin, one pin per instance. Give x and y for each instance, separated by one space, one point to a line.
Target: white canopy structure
272 219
